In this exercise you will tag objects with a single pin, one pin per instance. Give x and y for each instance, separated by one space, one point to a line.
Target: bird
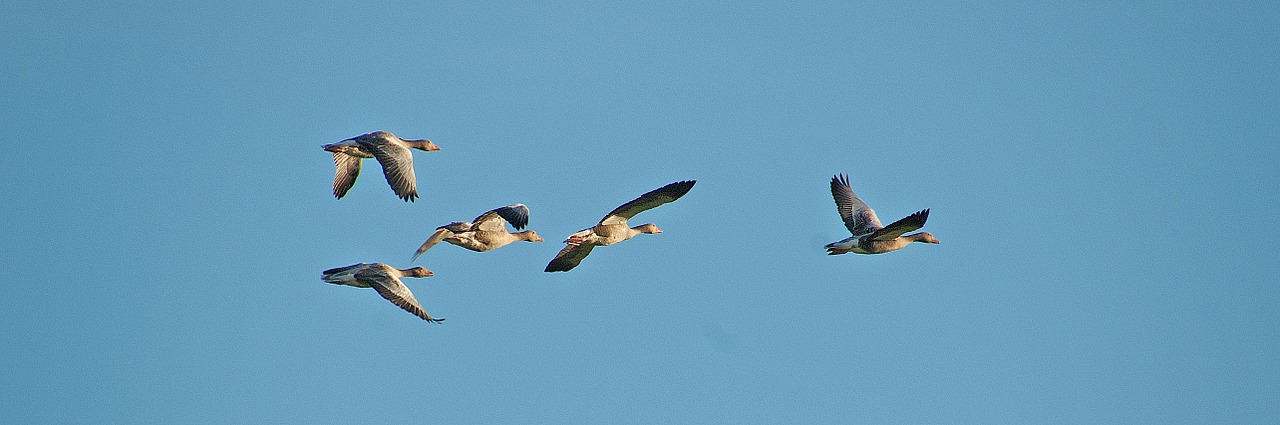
391 151
486 233
613 227
869 236
384 279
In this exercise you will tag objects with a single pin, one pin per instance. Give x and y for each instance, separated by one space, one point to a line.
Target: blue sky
1099 176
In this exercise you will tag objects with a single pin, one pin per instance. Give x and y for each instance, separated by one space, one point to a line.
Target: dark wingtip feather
517 215
677 189
839 184
556 266
917 219
339 269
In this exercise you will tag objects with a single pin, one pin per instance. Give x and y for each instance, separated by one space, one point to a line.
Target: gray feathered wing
345 177
394 290
397 166
857 216
909 223
495 220
647 201
441 233
569 257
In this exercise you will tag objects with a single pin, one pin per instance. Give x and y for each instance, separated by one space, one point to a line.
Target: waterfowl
869 237
391 151
384 279
613 227
487 232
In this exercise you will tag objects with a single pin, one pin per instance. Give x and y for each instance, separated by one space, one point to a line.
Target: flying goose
391 151
384 279
869 236
613 227
487 232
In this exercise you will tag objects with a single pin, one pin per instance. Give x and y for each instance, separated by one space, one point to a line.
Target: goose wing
904 225
648 201
569 257
441 233
397 166
342 269
345 177
494 220
393 290
857 216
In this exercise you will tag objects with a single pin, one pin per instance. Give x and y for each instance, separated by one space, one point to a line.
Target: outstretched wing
441 233
397 166
337 270
394 290
492 221
857 216
648 201
345 177
569 257
897 228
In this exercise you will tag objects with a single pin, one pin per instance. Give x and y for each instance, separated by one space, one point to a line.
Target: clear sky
1100 176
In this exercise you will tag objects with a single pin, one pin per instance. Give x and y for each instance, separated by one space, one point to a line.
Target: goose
613 227
391 151
869 237
486 233
384 279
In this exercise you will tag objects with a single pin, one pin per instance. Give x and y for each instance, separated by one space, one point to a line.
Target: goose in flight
384 279
391 151
613 227
487 232
869 236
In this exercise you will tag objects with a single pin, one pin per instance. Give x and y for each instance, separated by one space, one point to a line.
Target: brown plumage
486 233
391 151
613 227
869 236
384 279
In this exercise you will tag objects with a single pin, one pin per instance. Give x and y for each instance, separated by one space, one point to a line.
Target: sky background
1100 177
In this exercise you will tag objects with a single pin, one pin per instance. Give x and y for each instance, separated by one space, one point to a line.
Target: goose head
418 272
649 228
923 237
530 236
